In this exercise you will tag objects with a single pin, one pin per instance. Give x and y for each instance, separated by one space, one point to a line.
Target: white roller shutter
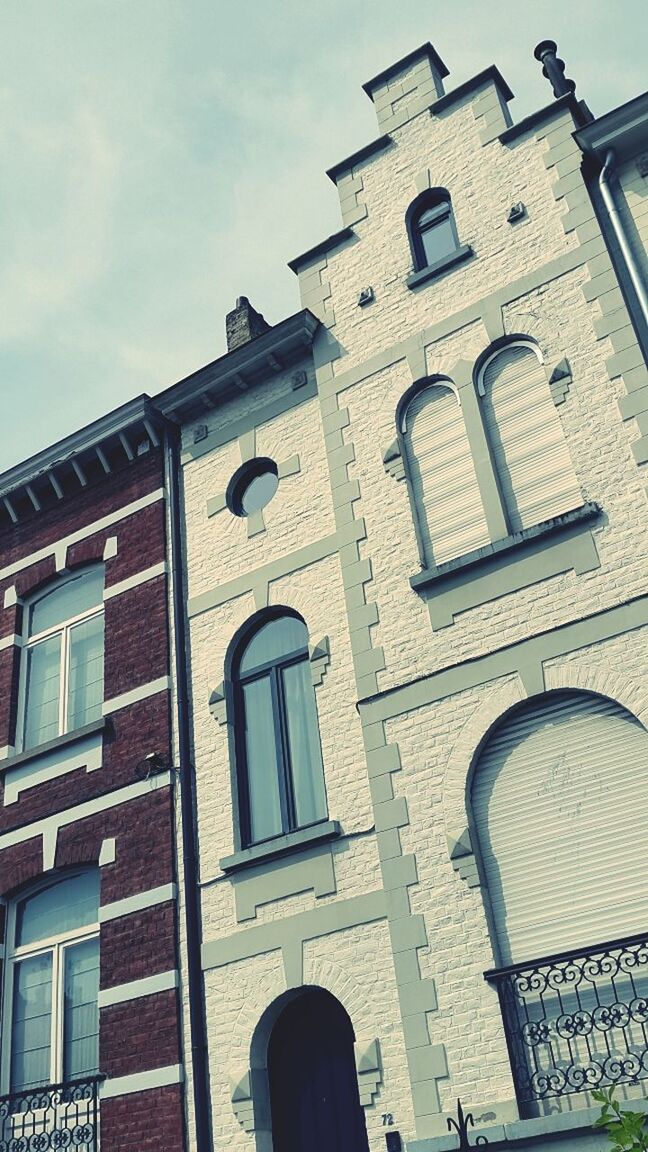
560 803
448 501
533 464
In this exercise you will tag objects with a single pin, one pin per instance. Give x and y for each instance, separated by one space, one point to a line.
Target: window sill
517 540
441 266
281 846
54 745
562 544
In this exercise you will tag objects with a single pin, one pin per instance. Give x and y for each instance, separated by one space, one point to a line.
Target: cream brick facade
390 915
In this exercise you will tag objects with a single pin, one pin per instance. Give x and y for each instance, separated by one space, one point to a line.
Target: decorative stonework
243 1100
218 704
369 1068
393 461
560 381
320 657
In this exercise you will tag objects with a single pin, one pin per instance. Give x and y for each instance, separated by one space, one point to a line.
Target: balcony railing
57 1116
577 1020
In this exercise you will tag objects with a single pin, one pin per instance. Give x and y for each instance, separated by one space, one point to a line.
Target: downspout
197 1018
617 225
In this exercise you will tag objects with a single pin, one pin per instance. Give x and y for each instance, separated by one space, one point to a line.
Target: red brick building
87 873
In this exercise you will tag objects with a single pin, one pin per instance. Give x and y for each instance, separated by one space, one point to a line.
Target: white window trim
27 642
13 955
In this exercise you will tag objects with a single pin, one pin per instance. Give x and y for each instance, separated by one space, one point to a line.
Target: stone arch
492 711
249 1081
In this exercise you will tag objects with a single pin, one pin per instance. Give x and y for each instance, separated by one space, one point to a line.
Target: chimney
553 68
243 324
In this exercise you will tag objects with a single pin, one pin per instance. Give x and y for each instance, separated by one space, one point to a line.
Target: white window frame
56 945
64 630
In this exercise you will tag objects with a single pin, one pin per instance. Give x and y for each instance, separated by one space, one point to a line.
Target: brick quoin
140 1035
138 945
149 1121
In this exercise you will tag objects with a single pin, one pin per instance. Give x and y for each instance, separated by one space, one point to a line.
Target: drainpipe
197 1018
617 224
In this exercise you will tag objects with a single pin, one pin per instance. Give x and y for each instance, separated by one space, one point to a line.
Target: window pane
262 767
435 213
81 1022
31 1022
85 680
65 601
278 638
69 904
42 697
439 240
259 492
304 742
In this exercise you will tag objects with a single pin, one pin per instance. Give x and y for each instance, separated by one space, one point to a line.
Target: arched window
443 483
561 818
558 786
63 666
279 758
534 469
431 228
50 1011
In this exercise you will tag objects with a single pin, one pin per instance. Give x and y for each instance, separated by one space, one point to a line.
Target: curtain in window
442 475
304 744
264 802
534 468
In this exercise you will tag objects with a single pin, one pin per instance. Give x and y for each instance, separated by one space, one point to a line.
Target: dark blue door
313 1086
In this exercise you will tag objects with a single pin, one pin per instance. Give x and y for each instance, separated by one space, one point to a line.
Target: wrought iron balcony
576 1021
57 1116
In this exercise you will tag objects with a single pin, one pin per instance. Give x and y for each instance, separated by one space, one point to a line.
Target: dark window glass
281 775
433 233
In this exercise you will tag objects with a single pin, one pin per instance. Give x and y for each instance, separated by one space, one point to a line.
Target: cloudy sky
159 158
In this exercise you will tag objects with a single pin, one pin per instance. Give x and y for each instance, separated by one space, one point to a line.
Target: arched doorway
314 1099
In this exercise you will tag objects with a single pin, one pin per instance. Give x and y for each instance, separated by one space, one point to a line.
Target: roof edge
491 73
423 50
321 249
118 420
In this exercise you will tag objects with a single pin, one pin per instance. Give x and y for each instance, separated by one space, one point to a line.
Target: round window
252 486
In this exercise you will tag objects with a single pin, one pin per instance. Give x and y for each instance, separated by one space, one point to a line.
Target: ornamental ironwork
54 1117
577 1020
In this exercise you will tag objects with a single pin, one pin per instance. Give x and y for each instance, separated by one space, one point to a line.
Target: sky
160 158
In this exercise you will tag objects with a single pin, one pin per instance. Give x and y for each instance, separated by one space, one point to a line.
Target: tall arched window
561 817
50 1011
447 501
279 757
63 665
534 469
431 228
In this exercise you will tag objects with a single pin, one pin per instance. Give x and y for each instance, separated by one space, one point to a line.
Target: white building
416 539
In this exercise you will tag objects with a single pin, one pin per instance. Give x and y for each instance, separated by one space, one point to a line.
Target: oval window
252 486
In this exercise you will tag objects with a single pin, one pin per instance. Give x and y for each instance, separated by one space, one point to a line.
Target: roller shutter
448 502
535 472
560 804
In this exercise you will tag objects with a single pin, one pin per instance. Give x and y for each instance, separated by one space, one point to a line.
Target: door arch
314 1099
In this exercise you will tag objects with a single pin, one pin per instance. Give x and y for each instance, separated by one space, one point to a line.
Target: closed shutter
448 502
560 803
535 472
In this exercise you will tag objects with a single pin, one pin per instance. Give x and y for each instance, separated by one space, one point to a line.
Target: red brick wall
143 1121
140 1034
143 1034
